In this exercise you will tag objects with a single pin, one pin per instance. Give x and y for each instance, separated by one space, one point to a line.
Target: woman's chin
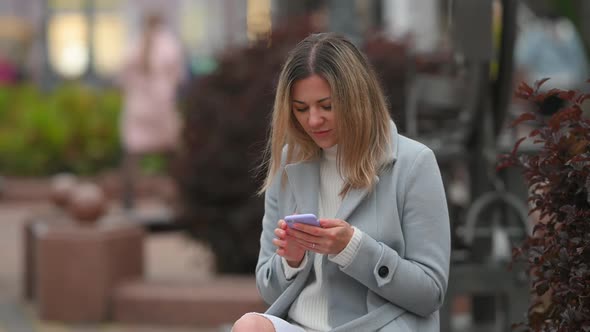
325 145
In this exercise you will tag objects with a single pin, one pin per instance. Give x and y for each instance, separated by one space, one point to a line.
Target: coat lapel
280 307
304 178
352 199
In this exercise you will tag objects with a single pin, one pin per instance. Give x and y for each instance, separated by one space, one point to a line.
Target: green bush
73 128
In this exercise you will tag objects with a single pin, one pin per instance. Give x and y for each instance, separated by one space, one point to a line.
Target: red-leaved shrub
558 174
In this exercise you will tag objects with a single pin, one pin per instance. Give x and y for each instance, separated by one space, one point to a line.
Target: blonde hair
363 120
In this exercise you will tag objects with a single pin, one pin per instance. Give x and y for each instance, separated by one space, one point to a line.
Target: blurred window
68 44
66 4
193 19
85 35
201 33
108 40
259 19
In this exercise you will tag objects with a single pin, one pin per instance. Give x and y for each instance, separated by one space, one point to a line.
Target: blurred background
131 131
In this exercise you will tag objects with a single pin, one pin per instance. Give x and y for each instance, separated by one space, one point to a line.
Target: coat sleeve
418 281
270 276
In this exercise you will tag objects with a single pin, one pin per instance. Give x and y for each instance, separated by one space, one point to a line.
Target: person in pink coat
151 73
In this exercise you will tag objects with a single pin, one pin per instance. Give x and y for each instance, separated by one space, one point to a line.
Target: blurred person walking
547 46
152 72
550 47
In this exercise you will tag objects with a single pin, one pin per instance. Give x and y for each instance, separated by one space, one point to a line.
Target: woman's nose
315 117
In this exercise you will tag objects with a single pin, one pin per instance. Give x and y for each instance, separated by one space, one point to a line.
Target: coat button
383 271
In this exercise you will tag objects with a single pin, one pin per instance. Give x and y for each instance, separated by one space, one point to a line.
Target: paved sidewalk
169 257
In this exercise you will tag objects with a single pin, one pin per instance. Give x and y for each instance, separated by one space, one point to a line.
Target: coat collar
304 178
394 149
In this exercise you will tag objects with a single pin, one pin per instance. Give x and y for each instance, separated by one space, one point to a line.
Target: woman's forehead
313 88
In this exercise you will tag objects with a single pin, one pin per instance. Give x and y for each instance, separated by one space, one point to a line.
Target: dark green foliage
227 114
558 173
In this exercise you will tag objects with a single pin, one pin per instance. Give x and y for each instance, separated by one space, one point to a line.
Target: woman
380 259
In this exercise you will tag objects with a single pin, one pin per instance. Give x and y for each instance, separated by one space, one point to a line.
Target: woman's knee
253 322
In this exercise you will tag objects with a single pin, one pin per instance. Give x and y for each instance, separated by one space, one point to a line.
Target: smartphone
308 219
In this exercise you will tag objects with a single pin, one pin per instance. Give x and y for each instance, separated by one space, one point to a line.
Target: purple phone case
309 219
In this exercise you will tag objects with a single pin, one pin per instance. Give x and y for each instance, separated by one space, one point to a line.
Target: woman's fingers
280 233
329 240
312 246
289 249
279 243
308 229
282 224
302 237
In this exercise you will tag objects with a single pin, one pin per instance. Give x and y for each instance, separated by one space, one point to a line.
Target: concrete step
208 304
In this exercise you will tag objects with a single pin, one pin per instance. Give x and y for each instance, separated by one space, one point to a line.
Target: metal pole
503 85
46 77
90 12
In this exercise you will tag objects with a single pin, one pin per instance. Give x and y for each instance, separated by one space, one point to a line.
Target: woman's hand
287 247
331 238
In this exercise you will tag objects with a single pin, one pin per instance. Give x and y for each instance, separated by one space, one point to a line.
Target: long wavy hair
363 120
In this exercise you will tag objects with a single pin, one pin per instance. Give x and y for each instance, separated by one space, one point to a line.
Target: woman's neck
331 152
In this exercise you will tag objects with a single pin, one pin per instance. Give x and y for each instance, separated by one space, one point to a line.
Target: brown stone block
28 260
206 304
28 249
77 268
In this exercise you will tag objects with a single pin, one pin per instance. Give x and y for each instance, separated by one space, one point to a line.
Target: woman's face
312 107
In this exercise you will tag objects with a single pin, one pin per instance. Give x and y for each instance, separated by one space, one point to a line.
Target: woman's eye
327 108
301 109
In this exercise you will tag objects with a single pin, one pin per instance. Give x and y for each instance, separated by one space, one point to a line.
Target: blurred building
419 21
54 39
86 38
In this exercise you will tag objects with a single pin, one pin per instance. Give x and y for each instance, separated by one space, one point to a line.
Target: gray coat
398 278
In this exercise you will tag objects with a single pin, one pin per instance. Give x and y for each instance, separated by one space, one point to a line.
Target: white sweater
310 309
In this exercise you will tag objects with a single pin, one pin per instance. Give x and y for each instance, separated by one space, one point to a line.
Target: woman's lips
321 133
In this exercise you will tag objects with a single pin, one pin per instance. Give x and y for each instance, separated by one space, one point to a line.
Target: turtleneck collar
331 153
